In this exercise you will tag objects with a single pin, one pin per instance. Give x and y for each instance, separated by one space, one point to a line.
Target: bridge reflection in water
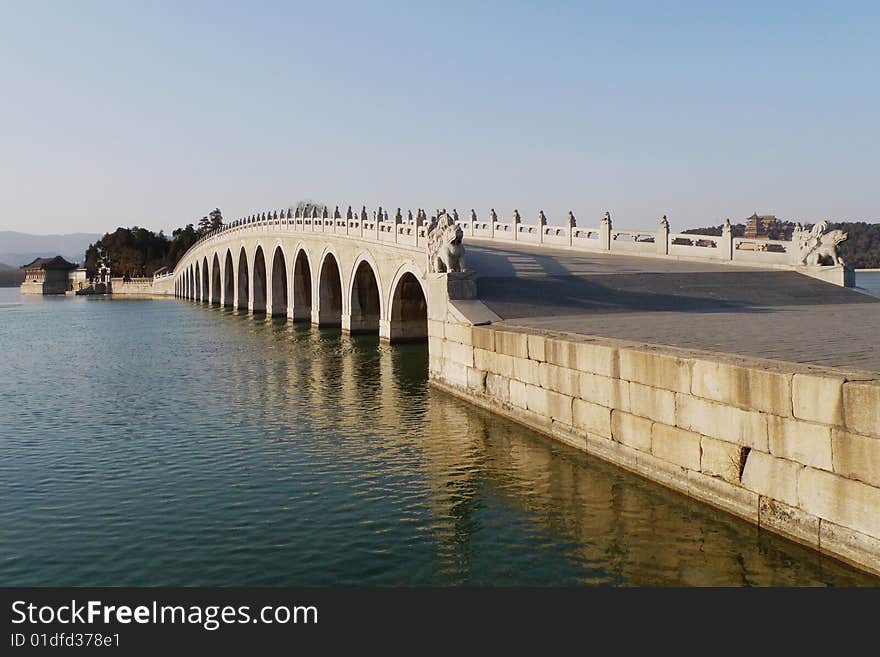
248 450
498 502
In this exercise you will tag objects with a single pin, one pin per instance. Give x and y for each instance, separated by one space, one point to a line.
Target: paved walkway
764 313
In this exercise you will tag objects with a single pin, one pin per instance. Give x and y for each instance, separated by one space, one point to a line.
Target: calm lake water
869 280
167 443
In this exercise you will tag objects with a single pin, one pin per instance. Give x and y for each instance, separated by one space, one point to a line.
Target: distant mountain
18 249
10 276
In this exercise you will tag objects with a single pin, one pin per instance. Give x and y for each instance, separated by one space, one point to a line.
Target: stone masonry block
843 501
536 347
518 394
435 328
460 333
861 407
750 388
850 545
597 359
817 398
498 387
723 422
856 457
455 374
789 521
458 353
772 477
435 346
559 407
483 338
654 403
492 362
560 379
536 400
527 371
560 352
512 344
655 369
806 443
592 418
476 380
721 459
604 391
676 445
631 430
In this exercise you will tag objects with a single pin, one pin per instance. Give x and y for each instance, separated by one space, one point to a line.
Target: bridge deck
764 313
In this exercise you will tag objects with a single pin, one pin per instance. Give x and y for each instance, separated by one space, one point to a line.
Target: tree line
136 252
861 249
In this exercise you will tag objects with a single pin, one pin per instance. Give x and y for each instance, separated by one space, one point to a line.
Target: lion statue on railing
445 251
819 247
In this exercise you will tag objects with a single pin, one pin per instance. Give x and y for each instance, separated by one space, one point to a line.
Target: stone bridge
367 272
357 274
708 364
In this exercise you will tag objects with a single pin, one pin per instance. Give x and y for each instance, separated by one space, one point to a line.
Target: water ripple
164 443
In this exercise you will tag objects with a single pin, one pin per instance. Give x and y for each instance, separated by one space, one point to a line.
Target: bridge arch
215 280
192 282
301 286
243 283
205 281
278 285
198 281
228 280
330 297
408 304
364 297
258 281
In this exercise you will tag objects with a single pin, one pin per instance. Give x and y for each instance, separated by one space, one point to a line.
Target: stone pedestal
841 275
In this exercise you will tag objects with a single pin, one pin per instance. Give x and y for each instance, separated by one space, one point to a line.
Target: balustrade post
727 239
661 238
605 232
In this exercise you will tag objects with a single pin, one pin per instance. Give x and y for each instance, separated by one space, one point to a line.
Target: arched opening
330 293
191 277
205 279
279 283
302 288
364 300
258 299
243 280
409 311
215 281
228 281
198 278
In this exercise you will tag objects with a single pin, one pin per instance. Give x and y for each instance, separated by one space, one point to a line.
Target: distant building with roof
47 276
758 226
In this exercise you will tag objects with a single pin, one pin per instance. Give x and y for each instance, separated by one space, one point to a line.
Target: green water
169 443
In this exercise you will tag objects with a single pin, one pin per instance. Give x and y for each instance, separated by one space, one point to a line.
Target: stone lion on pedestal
445 251
819 247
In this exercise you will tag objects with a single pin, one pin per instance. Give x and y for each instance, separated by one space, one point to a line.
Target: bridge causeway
708 364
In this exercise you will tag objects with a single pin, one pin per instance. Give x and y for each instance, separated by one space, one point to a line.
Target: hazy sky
152 113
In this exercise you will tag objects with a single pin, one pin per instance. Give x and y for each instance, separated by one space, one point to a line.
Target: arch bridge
363 275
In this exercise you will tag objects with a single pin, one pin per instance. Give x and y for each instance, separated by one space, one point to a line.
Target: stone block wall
792 448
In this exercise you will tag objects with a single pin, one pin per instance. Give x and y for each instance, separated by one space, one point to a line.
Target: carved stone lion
445 251
819 247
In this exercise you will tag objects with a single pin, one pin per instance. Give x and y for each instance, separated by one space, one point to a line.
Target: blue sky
154 113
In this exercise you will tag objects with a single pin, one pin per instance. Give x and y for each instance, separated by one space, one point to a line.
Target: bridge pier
326 318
